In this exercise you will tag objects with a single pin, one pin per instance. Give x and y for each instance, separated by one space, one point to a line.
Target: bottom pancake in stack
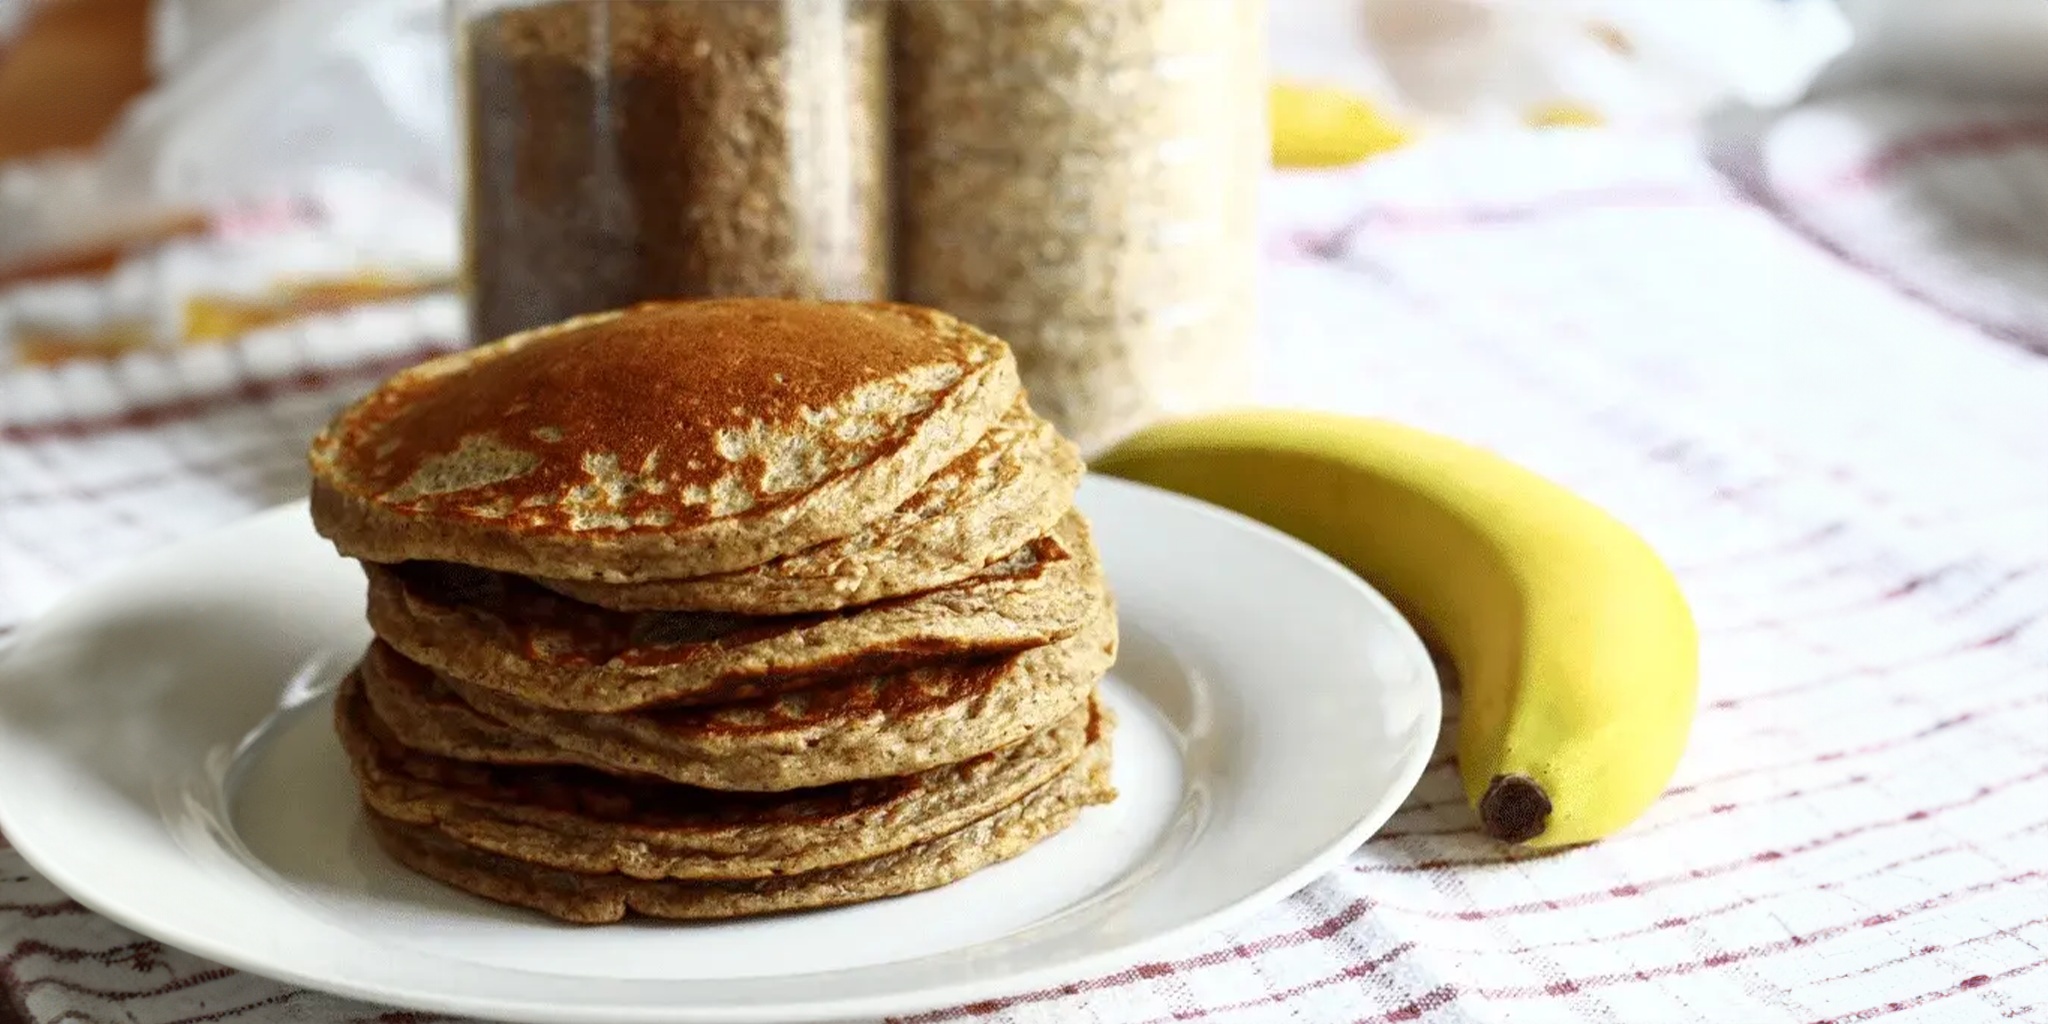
587 846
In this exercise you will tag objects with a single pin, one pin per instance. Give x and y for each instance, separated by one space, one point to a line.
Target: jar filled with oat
1080 178
623 150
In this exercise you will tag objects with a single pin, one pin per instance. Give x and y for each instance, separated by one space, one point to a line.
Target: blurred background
179 173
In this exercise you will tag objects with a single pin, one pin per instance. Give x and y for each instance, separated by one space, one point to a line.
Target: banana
1563 114
1576 655
1322 126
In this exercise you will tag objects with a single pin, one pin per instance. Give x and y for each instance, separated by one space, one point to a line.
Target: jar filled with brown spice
623 150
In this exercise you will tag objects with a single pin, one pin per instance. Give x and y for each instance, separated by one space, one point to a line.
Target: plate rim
980 988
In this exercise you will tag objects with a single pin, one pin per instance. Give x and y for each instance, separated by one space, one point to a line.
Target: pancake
510 635
424 714
668 440
864 727
604 898
1012 486
580 820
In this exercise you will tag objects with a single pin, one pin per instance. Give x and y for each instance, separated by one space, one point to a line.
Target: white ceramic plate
168 762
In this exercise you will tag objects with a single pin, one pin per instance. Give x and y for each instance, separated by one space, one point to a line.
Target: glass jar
623 150
1080 177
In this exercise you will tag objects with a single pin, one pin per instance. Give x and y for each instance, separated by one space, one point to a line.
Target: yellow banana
1576 655
1563 114
1322 126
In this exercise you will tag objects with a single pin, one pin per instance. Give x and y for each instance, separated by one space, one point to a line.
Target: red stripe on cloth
1858 673
1922 580
1714 810
2012 334
1352 972
1332 244
1435 998
118 995
12 1009
1997 586
1879 746
1786 203
57 908
1836 755
1969 984
1974 601
141 957
1509 855
1727 957
1344 917
247 392
145 955
1964 140
1926 950
124 519
1905 588
236 1011
1972 140
1679 922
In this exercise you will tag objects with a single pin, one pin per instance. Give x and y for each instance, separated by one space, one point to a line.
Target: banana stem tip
1515 809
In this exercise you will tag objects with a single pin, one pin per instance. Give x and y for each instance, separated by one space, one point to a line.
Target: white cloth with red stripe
1946 198
1848 478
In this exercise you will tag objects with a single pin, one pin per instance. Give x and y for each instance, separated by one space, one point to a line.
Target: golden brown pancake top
658 417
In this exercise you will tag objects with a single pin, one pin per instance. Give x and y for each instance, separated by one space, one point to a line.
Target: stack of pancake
705 609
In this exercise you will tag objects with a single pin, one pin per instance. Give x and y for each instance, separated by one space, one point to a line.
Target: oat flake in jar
1079 177
622 150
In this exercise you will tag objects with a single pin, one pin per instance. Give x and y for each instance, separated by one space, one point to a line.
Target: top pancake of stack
755 456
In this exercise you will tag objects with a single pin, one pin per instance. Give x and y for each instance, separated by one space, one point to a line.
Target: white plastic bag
181 30
12 14
293 88
257 99
1631 61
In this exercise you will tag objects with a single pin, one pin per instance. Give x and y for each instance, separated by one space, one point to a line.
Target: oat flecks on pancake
864 727
504 633
668 440
1015 484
